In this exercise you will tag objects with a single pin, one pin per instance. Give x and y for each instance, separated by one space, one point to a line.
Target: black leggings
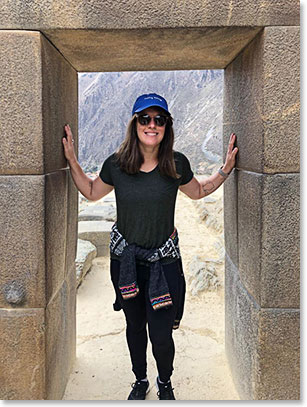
138 312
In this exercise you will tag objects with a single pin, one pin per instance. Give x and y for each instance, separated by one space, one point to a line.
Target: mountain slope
195 100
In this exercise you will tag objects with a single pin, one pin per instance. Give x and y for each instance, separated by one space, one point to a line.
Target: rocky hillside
195 102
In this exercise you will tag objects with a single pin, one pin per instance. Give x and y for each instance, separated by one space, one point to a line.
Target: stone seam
251 297
267 173
259 33
54 46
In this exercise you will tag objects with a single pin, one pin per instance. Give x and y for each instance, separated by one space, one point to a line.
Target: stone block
241 329
135 14
230 198
262 345
22 354
71 318
56 230
250 231
21 102
58 340
204 48
262 86
243 84
60 104
72 224
249 134
269 241
38 96
230 281
280 250
282 145
98 233
278 365
243 100
281 99
22 247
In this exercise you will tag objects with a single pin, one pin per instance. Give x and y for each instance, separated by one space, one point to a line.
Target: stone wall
257 43
261 207
38 218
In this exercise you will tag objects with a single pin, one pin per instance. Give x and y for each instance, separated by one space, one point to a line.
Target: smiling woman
146 265
149 139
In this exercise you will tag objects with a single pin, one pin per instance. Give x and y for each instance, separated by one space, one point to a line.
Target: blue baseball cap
149 100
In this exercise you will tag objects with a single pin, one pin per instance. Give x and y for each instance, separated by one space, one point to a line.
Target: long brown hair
130 158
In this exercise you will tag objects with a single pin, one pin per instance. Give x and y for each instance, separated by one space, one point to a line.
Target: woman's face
150 134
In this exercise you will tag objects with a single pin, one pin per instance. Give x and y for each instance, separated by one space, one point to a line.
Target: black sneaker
139 390
165 391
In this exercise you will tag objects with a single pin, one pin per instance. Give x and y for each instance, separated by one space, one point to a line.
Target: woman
146 267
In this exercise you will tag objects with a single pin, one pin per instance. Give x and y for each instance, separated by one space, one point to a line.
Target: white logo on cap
153 97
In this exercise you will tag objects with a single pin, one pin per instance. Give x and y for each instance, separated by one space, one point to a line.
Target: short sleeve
106 171
184 169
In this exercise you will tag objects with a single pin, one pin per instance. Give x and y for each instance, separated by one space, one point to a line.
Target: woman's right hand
68 143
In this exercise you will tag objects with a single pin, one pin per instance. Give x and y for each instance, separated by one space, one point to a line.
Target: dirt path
201 372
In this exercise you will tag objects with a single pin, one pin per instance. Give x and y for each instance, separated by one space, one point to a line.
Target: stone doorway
42 49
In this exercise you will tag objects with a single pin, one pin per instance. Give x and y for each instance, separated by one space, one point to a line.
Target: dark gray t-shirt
145 201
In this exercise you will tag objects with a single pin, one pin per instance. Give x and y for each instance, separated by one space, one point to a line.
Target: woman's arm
91 189
199 189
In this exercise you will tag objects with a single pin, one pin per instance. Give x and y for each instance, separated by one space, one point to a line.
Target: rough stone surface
60 104
132 14
281 102
123 50
57 345
22 354
56 230
262 86
230 199
98 233
85 254
21 100
38 96
269 242
278 364
22 258
241 329
280 254
211 34
262 345
98 212
72 224
249 231
71 317
14 293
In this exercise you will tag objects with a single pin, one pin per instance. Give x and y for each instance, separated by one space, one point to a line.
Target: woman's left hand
231 155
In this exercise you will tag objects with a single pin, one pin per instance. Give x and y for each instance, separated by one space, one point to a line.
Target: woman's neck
150 153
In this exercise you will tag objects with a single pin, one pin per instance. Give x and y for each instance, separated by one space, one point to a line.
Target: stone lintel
123 14
169 48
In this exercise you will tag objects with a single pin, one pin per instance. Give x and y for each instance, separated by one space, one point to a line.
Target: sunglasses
145 119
